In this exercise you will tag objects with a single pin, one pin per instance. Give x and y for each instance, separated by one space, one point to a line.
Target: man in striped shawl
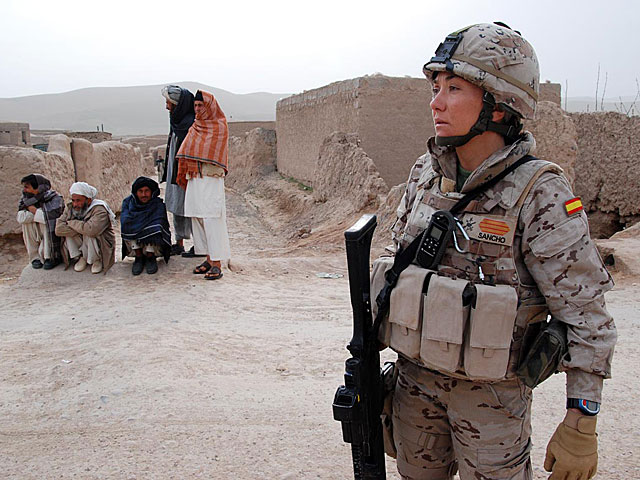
38 210
203 164
144 226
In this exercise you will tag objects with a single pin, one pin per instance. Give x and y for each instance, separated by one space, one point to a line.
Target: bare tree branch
597 85
606 76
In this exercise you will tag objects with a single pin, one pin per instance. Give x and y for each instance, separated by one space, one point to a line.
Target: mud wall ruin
111 167
608 170
251 156
236 129
390 115
14 133
304 120
550 92
556 137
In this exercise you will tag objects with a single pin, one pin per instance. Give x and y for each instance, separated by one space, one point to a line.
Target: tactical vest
429 322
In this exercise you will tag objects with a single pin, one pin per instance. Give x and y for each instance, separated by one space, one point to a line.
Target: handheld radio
435 239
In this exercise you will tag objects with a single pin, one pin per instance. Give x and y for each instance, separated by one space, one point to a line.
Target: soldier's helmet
495 58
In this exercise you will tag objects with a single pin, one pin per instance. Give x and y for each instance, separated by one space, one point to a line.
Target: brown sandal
214 274
203 268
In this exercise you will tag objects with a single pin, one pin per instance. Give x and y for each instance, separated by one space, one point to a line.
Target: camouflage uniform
551 262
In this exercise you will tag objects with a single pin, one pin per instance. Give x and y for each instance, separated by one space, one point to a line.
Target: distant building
551 92
13 133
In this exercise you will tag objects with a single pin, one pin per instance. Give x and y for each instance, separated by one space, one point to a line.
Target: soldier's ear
498 115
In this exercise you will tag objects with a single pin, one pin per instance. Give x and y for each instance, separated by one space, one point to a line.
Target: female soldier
458 403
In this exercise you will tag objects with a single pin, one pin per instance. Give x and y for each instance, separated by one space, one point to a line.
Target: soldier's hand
572 453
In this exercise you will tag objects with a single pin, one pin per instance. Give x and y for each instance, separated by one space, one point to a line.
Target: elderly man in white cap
86 228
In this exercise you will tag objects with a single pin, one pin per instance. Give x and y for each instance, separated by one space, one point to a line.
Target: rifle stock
358 403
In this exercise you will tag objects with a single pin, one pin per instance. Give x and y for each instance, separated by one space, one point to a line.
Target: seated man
87 230
38 210
145 226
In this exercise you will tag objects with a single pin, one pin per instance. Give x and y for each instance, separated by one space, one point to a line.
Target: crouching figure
144 226
38 210
86 227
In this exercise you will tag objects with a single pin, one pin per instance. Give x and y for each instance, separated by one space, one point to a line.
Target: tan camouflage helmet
495 58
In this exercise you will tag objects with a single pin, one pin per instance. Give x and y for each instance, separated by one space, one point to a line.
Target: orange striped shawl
206 142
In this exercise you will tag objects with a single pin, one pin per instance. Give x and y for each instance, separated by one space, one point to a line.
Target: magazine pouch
444 322
405 311
492 321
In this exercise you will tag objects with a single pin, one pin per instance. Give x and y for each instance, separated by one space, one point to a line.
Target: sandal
214 274
204 267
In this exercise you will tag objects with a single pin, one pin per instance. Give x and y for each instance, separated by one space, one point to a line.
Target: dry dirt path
174 377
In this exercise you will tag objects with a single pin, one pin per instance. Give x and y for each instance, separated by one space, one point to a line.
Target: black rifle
358 403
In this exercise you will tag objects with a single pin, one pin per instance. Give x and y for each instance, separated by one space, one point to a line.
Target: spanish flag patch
573 206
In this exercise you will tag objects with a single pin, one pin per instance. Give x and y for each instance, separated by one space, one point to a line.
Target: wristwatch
587 407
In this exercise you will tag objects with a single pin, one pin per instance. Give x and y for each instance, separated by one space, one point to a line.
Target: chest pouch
405 312
491 325
445 315
402 289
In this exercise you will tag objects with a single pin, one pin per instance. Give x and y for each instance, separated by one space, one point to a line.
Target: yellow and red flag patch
493 226
573 206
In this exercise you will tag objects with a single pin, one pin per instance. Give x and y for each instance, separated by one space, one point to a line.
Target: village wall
237 129
120 164
390 115
607 169
550 92
93 137
556 137
394 123
251 157
111 167
303 121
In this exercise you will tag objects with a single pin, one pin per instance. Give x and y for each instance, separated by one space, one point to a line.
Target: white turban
172 93
84 189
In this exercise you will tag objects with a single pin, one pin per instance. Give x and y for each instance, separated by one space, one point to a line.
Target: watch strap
585 406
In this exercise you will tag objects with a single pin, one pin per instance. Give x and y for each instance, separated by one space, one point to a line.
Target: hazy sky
290 46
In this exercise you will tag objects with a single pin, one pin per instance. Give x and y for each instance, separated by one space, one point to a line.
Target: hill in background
125 110
140 110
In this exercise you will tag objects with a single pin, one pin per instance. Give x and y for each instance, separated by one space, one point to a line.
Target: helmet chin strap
483 124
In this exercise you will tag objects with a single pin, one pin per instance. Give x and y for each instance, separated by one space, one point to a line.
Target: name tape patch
490 228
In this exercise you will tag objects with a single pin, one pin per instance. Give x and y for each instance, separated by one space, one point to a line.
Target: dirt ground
174 377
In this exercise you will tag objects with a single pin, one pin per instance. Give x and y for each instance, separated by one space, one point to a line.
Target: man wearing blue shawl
144 226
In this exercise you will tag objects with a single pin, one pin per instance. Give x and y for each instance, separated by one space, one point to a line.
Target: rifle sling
404 257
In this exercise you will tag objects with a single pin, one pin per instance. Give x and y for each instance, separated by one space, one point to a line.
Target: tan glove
572 453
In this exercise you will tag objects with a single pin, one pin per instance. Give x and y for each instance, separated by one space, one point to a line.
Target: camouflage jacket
555 258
